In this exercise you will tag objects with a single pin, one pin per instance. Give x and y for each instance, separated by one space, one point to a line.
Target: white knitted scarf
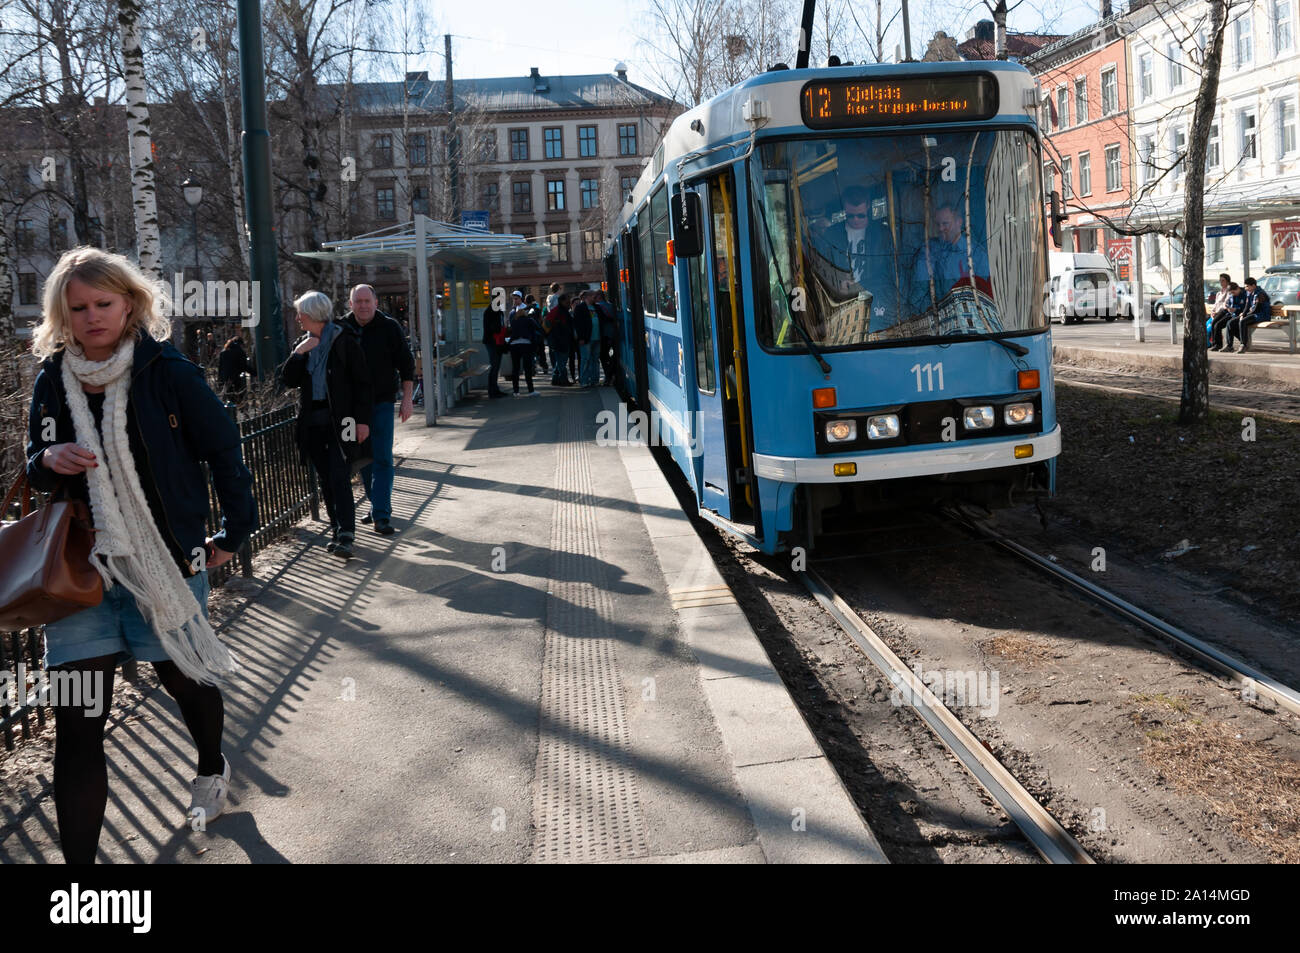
125 531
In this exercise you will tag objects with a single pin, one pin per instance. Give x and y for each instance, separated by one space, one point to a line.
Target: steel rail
1249 677
1048 837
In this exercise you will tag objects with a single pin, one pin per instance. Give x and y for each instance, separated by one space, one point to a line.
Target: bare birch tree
148 243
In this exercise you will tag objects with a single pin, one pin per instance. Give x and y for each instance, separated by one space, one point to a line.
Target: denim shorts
115 626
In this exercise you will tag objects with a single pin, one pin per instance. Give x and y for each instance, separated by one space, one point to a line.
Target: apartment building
549 157
1253 157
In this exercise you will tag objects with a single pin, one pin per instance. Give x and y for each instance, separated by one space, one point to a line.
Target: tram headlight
882 427
841 431
978 418
1017 415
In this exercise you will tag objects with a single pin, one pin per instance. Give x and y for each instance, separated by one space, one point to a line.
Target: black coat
231 367
491 325
347 388
581 322
181 422
388 356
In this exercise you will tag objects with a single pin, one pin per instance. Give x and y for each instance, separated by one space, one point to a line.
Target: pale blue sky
507 37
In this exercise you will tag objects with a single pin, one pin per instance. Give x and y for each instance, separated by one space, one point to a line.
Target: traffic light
1059 216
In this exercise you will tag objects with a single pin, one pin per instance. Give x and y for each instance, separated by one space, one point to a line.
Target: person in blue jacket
123 420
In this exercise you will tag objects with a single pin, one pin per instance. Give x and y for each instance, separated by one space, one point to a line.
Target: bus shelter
1229 210
455 260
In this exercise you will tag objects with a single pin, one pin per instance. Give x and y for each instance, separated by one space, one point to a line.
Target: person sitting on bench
1257 309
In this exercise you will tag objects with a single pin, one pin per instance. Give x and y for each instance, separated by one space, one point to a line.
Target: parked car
1160 307
1282 283
1128 304
1082 286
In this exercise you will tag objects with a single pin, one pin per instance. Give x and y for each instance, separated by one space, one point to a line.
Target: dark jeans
1216 329
521 359
494 368
607 359
335 479
1239 327
539 355
561 361
377 478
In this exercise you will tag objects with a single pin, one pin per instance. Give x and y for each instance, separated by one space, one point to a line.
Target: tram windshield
881 239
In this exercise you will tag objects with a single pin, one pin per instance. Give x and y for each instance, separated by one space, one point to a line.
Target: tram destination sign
845 103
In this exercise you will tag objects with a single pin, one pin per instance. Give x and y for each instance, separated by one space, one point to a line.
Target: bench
1283 316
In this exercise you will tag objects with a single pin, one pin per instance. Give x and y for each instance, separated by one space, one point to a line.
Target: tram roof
396 245
722 121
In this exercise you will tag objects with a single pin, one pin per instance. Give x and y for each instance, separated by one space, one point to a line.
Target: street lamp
193 192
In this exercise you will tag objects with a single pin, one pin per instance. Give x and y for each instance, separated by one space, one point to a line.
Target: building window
518 145
1062 108
555 195
1085 173
27 288
627 139
26 235
1178 146
1247 123
1255 234
521 197
587 141
591 244
1286 127
1243 41
420 200
1213 156
382 151
384 206
417 149
1146 81
1282 38
559 246
1146 159
491 198
487 147
590 189
59 234
553 138
1152 250
1067 178
1213 249
1049 177
1174 53
1081 100
1109 92
626 185
1113 181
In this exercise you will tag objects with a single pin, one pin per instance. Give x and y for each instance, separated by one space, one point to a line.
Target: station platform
1268 363
543 665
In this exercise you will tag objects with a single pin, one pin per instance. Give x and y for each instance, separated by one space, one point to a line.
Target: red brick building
1085 123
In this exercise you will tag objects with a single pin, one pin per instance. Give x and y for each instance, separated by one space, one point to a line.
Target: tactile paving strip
585 804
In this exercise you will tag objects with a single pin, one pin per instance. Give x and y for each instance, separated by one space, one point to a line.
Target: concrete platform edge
799 805
1222 371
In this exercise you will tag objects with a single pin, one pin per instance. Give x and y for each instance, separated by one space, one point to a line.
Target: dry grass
1253 785
1017 648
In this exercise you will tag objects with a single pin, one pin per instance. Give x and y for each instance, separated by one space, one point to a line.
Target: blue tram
830 284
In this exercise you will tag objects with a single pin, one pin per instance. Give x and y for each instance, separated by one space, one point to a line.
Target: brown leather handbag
45 570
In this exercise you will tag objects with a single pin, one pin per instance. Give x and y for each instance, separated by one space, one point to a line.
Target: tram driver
857 248
951 259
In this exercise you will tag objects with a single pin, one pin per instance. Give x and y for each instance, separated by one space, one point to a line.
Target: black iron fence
285 490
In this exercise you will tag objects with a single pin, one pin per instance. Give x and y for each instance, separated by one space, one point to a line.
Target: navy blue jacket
1257 308
181 423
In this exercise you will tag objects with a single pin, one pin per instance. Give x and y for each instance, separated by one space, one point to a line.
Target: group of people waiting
1235 310
578 328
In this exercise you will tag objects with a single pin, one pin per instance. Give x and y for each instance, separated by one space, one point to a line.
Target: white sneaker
208 796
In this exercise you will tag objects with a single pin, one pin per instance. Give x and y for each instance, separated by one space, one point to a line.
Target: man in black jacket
388 358
1258 308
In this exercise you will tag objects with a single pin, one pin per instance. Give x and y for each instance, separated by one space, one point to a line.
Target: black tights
80 770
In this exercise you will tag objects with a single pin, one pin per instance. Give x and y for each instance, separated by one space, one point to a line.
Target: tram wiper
1018 350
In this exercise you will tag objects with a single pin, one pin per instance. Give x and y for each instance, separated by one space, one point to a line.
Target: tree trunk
148 243
1000 29
1194 408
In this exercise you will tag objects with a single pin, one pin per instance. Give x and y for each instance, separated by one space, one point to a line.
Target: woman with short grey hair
334 411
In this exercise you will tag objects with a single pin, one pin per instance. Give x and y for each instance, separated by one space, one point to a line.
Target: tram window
662 277
701 324
645 250
879 239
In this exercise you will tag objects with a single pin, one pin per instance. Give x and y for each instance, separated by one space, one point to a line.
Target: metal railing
285 489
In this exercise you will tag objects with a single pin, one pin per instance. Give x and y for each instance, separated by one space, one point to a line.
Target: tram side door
636 325
710 429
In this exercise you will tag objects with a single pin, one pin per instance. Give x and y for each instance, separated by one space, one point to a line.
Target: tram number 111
931 371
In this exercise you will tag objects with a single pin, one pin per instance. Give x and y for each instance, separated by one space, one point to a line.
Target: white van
1082 286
